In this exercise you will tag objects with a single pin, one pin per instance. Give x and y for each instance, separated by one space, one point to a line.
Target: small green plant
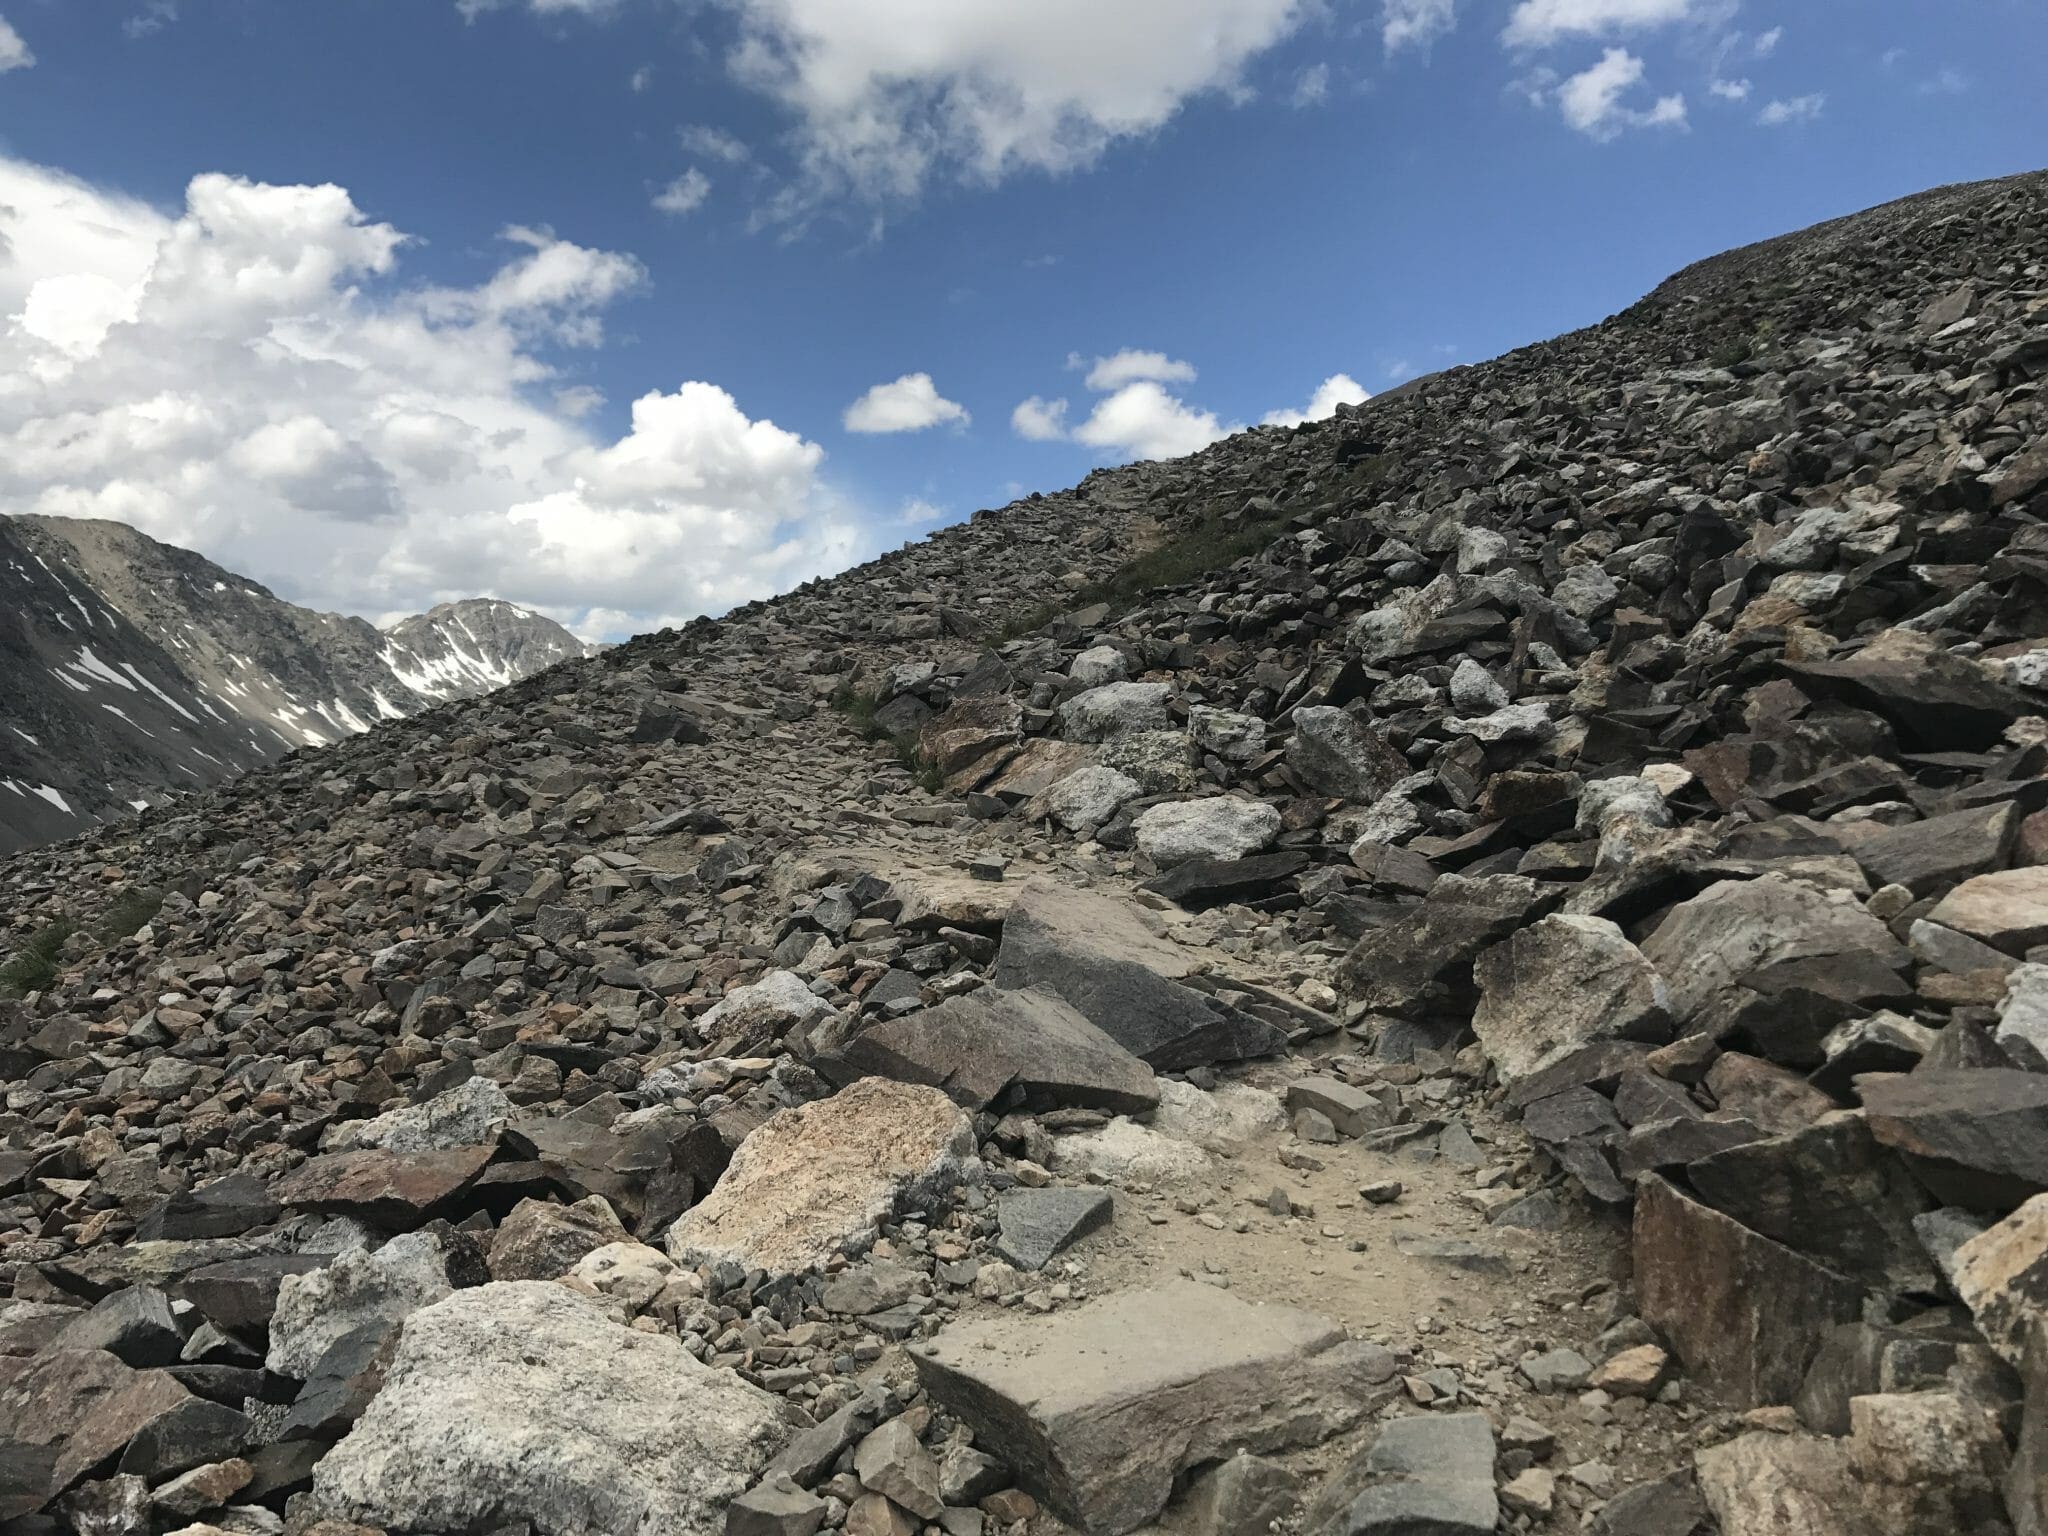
33 967
128 913
859 709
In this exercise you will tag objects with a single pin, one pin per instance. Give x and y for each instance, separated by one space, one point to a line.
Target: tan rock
2002 1276
819 1179
1637 1372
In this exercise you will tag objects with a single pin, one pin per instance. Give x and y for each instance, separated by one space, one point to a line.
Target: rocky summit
1477 966
134 671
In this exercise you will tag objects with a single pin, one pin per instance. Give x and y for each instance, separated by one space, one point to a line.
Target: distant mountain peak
134 669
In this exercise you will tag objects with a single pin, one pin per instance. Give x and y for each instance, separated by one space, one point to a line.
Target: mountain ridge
138 669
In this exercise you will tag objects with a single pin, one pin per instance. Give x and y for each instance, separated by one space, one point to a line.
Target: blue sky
358 298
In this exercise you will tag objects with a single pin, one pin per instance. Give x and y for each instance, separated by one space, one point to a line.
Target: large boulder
68 1411
1097 956
1335 753
978 1045
1116 709
2007 909
766 1009
1100 1409
1088 797
1398 966
467 1115
363 1289
1737 928
2002 1276
1560 984
1975 1137
1429 1474
522 1403
1220 827
821 1178
1743 1313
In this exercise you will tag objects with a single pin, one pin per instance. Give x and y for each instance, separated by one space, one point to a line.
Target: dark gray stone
1039 1223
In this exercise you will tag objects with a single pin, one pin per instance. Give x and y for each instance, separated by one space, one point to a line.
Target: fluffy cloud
908 404
1415 23
1539 23
1142 421
154 16
14 52
252 376
1798 109
1040 420
1592 100
892 94
1338 389
1731 90
685 194
1131 365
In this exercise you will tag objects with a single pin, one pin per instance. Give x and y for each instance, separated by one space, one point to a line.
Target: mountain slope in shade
132 669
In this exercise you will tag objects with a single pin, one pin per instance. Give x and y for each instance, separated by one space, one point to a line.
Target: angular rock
1562 983
1335 753
522 1402
1395 967
1219 827
1036 1224
1939 702
1098 1410
1098 959
1975 1138
2002 1277
891 1461
977 1046
1741 1312
225 1207
765 1010
1205 882
380 1288
467 1115
394 1190
1088 797
66 1412
1240 1496
1734 929
1828 1191
2007 909
778 1507
543 1241
134 1325
1116 709
1422 1474
819 1179
1926 856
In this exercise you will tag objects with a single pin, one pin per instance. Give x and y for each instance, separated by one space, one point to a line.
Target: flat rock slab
396 1190
1976 1138
1098 1410
1430 1474
1039 1223
521 1401
1104 963
2007 909
1743 1313
821 1178
67 1412
974 1047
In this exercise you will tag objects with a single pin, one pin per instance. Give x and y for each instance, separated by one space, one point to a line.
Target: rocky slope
1478 966
131 670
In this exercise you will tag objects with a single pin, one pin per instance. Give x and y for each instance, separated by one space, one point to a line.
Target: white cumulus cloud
1539 23
909 404
890 95
252 376
1040 420
1338 389
1591 101
1130 365
1143 421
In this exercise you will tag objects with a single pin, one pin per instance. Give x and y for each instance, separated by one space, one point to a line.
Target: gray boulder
522 1402
1219 827
1100 1409
1116 709
1562 983
358 1289
1336 753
